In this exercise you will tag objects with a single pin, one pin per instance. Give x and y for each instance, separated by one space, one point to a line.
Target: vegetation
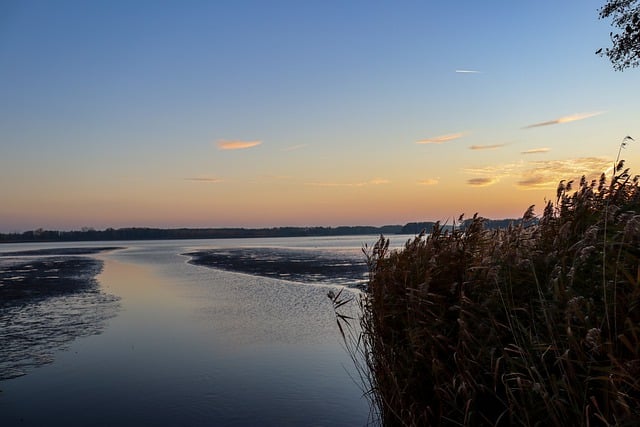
534 324
625 50
143 233
90 234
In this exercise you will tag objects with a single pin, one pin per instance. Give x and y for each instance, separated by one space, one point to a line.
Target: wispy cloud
429 181
547 174
204 179
375 181
236 145
540 174
482 182
565 119
441 139
295 147
495 170
486 147
536 151
468 71
379 181
489 175
537 182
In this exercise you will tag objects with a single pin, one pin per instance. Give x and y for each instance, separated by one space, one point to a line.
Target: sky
301 113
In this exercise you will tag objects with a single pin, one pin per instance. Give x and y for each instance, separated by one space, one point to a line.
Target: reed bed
535 324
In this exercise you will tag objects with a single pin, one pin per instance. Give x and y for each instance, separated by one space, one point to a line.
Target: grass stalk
535 324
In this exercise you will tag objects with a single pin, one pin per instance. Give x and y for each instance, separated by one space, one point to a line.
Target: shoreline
192 346
304 266
31 275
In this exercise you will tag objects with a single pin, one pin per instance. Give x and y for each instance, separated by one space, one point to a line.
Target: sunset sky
273 113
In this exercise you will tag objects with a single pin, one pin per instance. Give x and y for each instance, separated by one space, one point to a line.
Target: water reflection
195 346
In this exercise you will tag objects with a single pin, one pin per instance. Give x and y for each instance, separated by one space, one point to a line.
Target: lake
239 332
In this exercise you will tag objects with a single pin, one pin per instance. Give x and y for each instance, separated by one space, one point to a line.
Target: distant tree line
143 233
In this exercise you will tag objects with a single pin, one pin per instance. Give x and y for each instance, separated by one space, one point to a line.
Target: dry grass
536 324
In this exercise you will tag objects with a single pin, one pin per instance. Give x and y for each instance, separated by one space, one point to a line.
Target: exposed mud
45 303
305 266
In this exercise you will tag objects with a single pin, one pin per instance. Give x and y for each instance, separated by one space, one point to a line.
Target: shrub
535 324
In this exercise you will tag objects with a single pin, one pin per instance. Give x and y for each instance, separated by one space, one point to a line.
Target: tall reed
535 324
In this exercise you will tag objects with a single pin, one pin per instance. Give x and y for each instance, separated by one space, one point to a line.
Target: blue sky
119 113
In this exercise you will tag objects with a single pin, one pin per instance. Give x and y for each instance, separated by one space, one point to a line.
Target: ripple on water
41 313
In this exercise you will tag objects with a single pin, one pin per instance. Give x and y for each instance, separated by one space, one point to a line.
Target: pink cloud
237 145
536 151
211 180
486 147
441 139
482 182
565 119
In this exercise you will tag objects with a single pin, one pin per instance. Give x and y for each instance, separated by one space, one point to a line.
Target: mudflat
31 275
47 299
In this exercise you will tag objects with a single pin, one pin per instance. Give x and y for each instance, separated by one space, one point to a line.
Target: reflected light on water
193 345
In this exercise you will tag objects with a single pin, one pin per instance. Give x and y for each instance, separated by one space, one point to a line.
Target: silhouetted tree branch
625 16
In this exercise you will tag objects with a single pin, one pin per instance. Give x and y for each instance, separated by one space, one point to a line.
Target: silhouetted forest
144 233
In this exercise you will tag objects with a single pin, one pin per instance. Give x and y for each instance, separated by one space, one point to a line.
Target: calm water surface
193 345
